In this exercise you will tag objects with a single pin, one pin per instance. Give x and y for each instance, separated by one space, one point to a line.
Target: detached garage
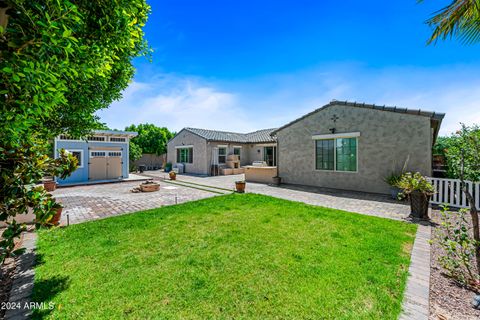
103 156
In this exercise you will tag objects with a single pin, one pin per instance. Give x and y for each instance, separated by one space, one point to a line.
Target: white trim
222 146
82 160
110 139
237 147
105 151
184 147
334 156
336 135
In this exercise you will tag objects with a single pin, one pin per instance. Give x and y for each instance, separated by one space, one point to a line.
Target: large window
185 155
222 155
336 154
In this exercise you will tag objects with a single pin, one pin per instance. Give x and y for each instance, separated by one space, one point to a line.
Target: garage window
79 155
185 155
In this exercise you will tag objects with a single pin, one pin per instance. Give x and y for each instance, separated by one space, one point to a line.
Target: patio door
270 155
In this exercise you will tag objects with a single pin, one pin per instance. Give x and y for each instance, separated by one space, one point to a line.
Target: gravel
447 299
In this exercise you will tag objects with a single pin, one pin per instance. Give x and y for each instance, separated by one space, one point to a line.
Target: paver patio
90 202
369 204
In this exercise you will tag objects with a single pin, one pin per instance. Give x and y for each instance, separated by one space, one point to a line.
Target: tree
151 139
460 19
61 61
464 155
134 153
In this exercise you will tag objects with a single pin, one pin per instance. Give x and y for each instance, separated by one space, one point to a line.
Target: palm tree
460 19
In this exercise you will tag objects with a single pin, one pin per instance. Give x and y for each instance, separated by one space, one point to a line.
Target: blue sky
247 65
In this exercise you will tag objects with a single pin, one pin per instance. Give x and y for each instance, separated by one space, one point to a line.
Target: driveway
359 202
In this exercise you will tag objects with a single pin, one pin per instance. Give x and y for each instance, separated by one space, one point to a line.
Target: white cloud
244 105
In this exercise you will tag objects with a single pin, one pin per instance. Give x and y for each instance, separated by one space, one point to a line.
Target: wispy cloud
177 101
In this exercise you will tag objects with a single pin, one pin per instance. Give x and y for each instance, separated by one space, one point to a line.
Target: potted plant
393 179
240 186
49 185
172 175
277 180
55 220
419 190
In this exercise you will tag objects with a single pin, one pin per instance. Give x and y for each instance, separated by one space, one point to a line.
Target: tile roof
251 137
437 117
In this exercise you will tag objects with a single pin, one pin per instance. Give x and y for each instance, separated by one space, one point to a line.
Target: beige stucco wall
199 165
386 140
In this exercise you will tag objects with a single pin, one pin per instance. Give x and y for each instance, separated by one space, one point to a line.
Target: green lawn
235 256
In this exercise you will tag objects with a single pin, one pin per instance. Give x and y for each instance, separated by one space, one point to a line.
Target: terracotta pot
277 181
56 218
173 175
419 204
240 186
50 185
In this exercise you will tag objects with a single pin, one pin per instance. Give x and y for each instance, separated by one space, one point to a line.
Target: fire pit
147 186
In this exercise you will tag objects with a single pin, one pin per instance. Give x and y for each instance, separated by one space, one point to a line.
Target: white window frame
119 151
226 153
240 155
110 140
334 137
81 155
105 139
106 153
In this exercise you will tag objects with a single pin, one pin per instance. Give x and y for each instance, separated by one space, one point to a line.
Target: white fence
448 191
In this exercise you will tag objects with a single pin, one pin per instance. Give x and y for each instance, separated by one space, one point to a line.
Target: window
222 155
324 153
97 154
336 154
237 151
117 139
346 158
96 138
79 155
185 155
115 154
65 137
270 155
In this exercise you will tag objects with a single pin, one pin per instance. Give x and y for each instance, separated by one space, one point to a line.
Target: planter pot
419 205
394 191
142 168
50 185
240 186
149 187
172 175
277 181
56 218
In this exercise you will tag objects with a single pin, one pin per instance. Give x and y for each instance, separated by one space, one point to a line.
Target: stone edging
416 299
23 279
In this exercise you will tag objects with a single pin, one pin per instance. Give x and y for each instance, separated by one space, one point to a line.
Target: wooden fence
448 191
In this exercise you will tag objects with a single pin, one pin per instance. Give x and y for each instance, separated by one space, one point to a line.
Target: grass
234 256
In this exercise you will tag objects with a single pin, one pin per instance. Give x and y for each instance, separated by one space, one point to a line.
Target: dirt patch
447 299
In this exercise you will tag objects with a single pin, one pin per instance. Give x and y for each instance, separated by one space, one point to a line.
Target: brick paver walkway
369 204
90 202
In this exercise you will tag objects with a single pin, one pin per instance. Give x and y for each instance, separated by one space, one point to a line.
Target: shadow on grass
44 292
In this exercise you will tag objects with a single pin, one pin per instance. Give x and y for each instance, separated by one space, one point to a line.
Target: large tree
151 139
60 62
460 19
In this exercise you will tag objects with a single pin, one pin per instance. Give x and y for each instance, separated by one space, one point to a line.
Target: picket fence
448 191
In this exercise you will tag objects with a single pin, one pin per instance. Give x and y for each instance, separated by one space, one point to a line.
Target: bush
415 182
456 240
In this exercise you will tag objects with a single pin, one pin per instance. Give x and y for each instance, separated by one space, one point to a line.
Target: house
198 150
103 156
354 146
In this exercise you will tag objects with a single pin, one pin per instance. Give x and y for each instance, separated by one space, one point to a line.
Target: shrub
415 182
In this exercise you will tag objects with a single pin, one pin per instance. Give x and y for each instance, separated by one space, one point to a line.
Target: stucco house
354 146
200 149
103 156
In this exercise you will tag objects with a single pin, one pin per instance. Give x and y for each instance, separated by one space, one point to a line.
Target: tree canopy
151 139
460 19
60 62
